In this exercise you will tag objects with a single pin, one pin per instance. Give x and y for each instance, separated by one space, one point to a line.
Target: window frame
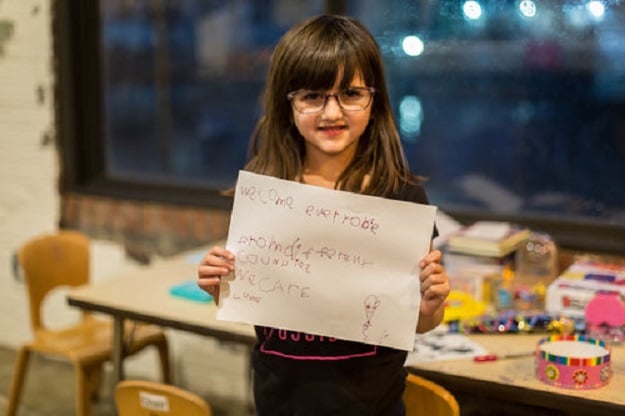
79 110
78 92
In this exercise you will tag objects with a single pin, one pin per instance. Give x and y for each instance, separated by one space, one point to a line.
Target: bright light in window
527 8
472 10
412 46
596 9
410 117
577 17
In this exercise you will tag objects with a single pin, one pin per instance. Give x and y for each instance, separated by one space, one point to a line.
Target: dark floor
49 391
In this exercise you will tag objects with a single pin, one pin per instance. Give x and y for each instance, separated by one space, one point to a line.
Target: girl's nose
332 108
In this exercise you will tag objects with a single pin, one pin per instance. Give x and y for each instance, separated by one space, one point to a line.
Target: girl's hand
434 291
215 264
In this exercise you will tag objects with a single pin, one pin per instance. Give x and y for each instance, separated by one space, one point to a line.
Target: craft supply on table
189 290
536 267
460 306
573 362
605 317
440 345
571 292
517 322
496 357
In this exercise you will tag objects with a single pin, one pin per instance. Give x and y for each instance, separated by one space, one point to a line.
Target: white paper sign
325 262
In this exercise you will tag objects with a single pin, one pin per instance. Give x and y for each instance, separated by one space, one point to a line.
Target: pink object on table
573 362
606 308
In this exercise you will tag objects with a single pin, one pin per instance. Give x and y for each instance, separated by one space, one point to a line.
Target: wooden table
514 380
143 295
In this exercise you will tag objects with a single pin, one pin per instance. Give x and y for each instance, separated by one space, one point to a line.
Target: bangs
333 56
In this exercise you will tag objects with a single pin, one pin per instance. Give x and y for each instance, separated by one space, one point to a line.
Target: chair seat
147 398
91 340
425 397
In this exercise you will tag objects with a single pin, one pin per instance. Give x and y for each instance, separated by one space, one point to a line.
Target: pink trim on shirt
320 358
270 332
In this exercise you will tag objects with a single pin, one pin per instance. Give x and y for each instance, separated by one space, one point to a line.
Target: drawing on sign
371 304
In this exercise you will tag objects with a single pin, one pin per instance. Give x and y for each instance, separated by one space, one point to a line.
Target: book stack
487 239
477 256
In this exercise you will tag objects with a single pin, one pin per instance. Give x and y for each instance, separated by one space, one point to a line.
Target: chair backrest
148 398
50 261
424 397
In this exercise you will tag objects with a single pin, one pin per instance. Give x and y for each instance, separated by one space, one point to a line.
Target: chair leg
83 399
163 354
94 382
19 375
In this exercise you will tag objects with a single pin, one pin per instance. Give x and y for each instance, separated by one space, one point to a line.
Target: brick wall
144 229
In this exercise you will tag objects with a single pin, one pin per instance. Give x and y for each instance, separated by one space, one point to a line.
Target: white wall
28 169
29 205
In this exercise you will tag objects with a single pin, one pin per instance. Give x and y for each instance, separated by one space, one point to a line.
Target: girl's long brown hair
312 55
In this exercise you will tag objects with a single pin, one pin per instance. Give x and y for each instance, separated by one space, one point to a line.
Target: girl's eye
352 93
312 96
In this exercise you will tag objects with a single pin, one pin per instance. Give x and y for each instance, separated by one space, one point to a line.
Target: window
514 110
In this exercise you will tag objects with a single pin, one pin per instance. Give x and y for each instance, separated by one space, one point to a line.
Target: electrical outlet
16 268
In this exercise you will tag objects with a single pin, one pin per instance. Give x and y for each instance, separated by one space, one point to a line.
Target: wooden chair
424 397
147 398
62 259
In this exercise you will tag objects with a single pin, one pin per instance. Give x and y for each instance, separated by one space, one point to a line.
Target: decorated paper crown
573 361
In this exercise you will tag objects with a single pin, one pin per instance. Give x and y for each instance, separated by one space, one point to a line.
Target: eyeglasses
349 99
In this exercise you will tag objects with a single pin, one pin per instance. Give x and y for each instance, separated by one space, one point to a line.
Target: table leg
118 350
250 379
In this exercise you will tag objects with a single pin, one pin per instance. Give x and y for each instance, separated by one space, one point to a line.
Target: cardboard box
569 297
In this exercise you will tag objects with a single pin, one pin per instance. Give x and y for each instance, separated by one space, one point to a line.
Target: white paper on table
325 262
439 346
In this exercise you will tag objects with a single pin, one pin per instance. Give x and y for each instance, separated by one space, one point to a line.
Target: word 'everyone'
337 217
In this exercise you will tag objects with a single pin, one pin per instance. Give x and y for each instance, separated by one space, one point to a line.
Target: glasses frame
290 96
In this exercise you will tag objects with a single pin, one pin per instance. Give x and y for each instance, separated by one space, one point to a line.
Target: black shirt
298 374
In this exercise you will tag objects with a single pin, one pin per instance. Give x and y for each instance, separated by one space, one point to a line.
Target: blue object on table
600 277
191 291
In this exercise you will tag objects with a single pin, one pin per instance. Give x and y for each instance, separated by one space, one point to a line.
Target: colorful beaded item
573 361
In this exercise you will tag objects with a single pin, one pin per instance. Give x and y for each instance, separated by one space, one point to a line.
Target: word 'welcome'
274 197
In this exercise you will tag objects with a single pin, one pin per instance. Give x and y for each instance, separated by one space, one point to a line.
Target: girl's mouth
332 129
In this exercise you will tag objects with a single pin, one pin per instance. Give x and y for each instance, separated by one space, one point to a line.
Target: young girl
328 122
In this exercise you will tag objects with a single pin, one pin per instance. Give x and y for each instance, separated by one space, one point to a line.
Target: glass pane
510 107
182 84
